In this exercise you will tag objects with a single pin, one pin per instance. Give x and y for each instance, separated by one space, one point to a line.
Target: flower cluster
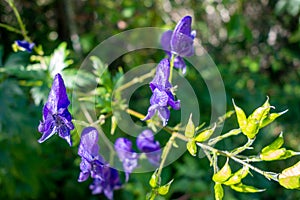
106 179
56 116
145 143
177 44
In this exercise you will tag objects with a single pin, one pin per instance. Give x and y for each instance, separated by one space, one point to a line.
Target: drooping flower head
23 45
106 179
56 116
110 181
162 96
146 144
179 42
127 156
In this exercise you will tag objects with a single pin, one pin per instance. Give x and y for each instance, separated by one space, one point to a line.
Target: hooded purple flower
24 45
126 155
92 164
162 96
56 117
179 42
110 181
146 144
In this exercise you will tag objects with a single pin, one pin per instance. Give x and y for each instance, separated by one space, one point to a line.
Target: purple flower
146 144
162 96
24 45
92 164
179 42
110 181
56 117
126 155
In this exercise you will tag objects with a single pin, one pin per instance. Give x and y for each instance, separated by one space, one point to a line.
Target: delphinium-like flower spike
56 116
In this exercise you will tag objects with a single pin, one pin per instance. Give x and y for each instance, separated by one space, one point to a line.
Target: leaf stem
10 28
171 67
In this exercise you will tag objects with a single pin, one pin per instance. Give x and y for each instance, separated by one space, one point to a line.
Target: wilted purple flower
92 164
162 96
110 181
56 117
146 144
24 45
127 156
179 42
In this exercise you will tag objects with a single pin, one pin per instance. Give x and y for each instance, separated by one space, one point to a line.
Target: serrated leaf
241 117
290 177
163 190
273 154
191 147
270 118
278 142
190 128
154 180
205 135
237 176
219 192
245 188
223 174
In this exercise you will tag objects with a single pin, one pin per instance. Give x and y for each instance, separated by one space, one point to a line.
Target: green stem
171 67
215 140
20 22
10 28
136 80
244 147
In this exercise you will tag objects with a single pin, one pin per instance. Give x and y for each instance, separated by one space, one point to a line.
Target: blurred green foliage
255 45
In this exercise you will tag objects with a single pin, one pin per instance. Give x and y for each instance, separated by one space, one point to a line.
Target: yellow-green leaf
205 135
223 174
273 154
245 188
219 192
241 117
191 147
163 190
274 145
190 128
270 118
290 177
237 176
113 125
154 180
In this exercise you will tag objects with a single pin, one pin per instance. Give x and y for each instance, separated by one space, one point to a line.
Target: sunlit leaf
245 188
274 145
237 176
290 177
191 147
205 135
273 154
270 118
241 117
223 174
219 192
163 190
190 128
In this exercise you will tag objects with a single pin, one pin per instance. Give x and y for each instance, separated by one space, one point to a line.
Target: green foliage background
255 45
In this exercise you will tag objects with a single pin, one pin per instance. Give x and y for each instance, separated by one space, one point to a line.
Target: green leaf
219 192
270 118
241 117
163 190
237 176
190 128
205 135
290 177
154 180
245 188
273 154
191 147
223 174
274 145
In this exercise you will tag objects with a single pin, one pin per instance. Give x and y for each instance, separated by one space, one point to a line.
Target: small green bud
205 135
223 174
191 147
190 128
163 190
245 188
154 180
219 192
